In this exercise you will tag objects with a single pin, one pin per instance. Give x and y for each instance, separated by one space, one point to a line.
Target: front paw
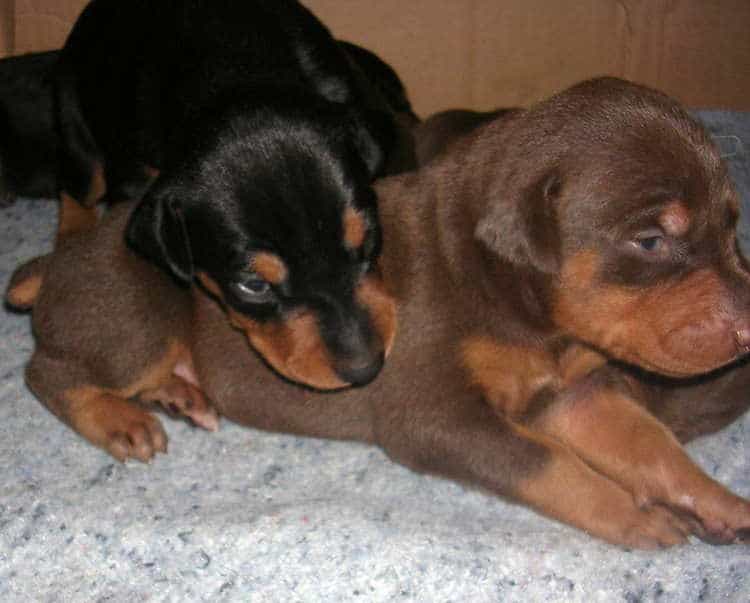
183 399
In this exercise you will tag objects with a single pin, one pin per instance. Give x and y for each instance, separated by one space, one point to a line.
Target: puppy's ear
374 136
525 231
157 231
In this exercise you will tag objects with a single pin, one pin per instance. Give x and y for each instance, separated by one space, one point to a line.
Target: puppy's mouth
689 359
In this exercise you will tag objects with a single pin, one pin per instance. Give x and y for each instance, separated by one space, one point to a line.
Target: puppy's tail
25 283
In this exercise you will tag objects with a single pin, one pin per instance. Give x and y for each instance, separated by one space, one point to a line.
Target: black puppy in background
254 136
28 140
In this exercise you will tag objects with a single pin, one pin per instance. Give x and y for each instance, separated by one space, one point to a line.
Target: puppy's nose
742 338
360 372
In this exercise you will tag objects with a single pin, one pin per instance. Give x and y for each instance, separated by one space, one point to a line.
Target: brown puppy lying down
547 253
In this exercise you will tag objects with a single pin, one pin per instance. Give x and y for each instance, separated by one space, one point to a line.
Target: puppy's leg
73 217
183 398
468 442
103 418
82 180
619 438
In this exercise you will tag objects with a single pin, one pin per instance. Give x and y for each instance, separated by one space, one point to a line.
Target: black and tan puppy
256 136
539 266
29 137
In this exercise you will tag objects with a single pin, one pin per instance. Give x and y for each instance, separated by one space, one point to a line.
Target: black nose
359 372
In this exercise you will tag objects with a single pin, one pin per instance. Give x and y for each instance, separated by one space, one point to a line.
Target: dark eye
651 242
253 289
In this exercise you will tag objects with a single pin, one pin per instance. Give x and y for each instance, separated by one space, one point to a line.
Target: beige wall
488 53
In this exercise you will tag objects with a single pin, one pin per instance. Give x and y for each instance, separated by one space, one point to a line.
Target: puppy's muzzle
361 370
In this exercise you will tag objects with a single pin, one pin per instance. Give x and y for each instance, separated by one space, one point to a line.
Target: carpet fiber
251 516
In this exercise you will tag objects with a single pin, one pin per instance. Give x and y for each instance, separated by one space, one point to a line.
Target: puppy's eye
651 242
253 290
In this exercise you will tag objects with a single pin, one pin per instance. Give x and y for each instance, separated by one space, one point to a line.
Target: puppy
254 139
569 297
29 140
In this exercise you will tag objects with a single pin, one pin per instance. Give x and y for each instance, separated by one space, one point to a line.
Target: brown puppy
544 249
109 327
436 134
530 262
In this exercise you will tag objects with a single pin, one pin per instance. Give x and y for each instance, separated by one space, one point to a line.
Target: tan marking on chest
510 375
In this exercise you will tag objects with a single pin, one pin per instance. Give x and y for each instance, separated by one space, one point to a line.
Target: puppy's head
274 215
620 200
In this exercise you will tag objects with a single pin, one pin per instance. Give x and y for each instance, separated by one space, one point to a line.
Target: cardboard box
489 53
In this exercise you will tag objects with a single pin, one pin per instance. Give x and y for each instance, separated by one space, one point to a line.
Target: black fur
263 129
28 141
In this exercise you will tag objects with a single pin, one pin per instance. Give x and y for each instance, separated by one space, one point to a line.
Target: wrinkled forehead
663 164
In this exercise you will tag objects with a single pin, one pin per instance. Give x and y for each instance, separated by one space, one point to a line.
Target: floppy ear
157 231
374 136
525 231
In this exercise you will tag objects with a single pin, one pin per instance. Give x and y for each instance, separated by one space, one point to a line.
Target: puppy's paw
141 438
652 528
726 521
181 398
119 427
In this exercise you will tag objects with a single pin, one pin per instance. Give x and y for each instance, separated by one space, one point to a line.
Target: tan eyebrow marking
355 228
269 267
675 219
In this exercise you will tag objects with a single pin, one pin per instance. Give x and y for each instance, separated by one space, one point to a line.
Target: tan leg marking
622 440
183 398
509 375
74 217
24 294
109 420
114 424
569 490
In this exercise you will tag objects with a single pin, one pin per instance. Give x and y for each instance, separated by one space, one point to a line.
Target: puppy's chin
293 348
677 366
